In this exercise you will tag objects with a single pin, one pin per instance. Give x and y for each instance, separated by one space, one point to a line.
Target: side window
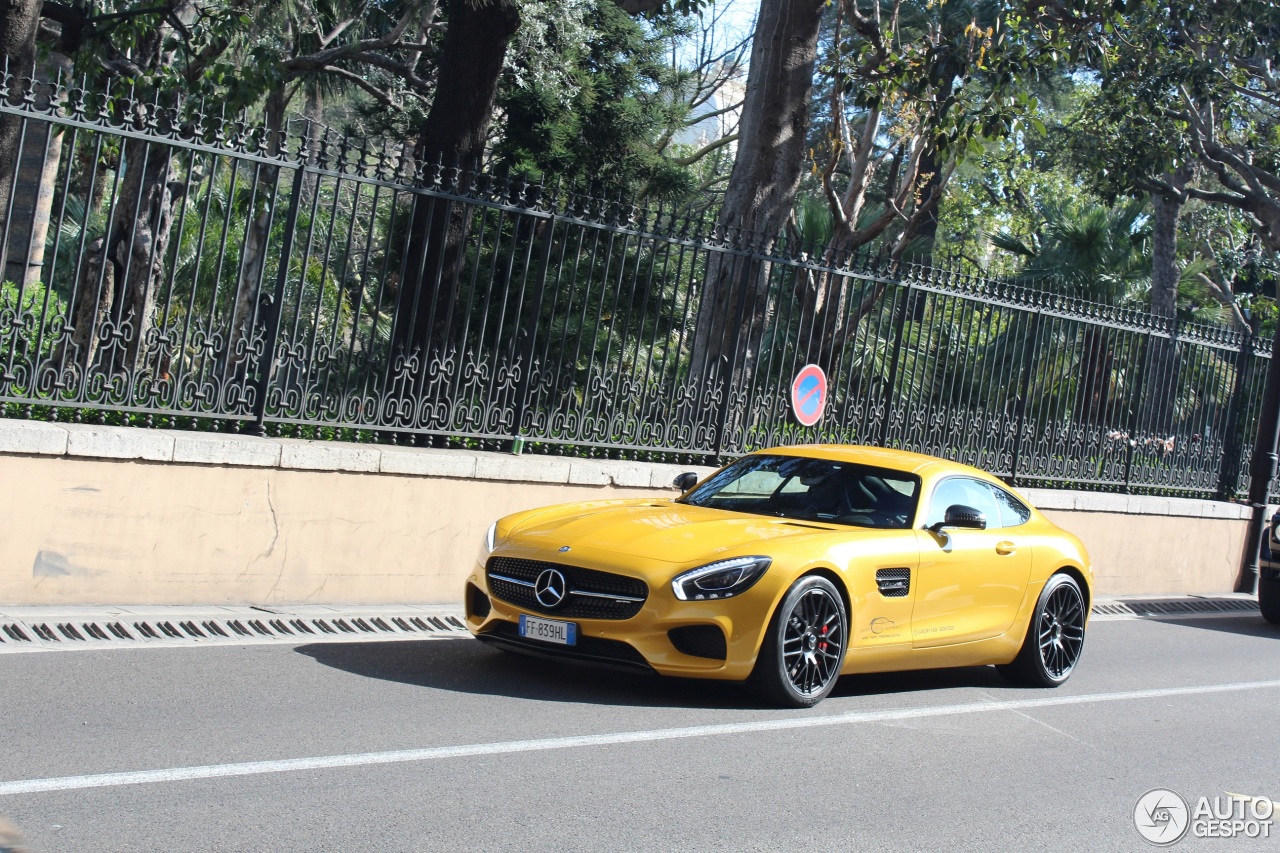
1012 511
962 490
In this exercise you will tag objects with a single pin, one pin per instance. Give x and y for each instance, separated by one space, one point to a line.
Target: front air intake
699 641
477 602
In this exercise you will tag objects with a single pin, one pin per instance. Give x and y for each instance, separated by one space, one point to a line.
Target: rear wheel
1055 637
1269 598
804 647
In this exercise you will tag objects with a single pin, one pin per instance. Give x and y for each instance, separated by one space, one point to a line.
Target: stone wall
112 515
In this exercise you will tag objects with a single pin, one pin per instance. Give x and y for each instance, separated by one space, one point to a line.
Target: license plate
548 630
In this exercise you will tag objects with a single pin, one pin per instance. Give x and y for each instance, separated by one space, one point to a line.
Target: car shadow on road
467 666
1248 625
920 681
463 666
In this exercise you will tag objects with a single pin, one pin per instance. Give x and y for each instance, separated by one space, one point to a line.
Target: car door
970 582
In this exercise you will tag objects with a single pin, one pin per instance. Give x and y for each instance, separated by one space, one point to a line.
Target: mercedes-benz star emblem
564 548
550 588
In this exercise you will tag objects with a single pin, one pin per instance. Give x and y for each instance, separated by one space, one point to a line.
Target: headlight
490 538
724 579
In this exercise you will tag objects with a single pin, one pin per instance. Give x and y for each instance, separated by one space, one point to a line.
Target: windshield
811 489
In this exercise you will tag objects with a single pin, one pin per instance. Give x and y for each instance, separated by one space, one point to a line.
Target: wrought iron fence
169 265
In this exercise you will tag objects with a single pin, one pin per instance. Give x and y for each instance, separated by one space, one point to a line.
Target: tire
804 646
1269 599
1055 637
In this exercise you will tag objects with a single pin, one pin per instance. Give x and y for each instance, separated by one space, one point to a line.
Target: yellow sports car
791 567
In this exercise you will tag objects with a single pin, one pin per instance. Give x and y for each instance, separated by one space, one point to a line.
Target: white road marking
325 762
1274 805
1039 722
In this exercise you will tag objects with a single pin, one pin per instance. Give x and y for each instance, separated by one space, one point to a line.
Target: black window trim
1017 500
926 509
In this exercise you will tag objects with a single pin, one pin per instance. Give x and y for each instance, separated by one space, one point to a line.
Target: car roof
879 457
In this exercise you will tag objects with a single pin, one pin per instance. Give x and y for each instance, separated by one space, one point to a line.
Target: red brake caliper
823 644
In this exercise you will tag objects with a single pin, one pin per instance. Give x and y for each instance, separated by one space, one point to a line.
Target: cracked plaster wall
84 531
154 528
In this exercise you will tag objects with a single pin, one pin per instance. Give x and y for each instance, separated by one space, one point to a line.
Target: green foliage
1188 86
1162 60
38 310
1003 189
605 127
978 66
1088 250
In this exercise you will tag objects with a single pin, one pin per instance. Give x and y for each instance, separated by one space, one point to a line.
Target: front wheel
1055 637
1269 598
804 647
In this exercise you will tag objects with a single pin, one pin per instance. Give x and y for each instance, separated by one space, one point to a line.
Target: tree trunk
475 46
35 182
924 228
32 204
129 264
1157 407
1093 391
821 299
19 20
761 189
830 315
931 176
115 297
829 318
254 259
1164 247
313 112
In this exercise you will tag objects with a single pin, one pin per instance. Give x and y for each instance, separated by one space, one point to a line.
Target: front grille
589 595
597 650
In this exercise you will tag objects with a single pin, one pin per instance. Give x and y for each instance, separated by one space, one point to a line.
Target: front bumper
614 654
644 641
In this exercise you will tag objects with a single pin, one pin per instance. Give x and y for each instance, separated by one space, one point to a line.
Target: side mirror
959 515
686 481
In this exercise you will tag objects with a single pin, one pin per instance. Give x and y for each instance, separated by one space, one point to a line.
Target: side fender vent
894 583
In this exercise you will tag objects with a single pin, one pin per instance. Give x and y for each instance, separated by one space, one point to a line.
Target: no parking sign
809 394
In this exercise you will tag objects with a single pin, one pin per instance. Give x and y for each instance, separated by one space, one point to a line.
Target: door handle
1006 548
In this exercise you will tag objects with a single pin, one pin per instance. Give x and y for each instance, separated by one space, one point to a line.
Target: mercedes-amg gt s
790 567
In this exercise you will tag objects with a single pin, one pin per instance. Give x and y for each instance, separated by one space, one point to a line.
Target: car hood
656 530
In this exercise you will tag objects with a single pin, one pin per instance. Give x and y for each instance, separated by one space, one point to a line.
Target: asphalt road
449 750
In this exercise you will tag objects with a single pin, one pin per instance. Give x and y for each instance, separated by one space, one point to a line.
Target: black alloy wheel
805 645
1055 637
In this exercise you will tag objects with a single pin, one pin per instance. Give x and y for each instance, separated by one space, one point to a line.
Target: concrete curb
81 628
